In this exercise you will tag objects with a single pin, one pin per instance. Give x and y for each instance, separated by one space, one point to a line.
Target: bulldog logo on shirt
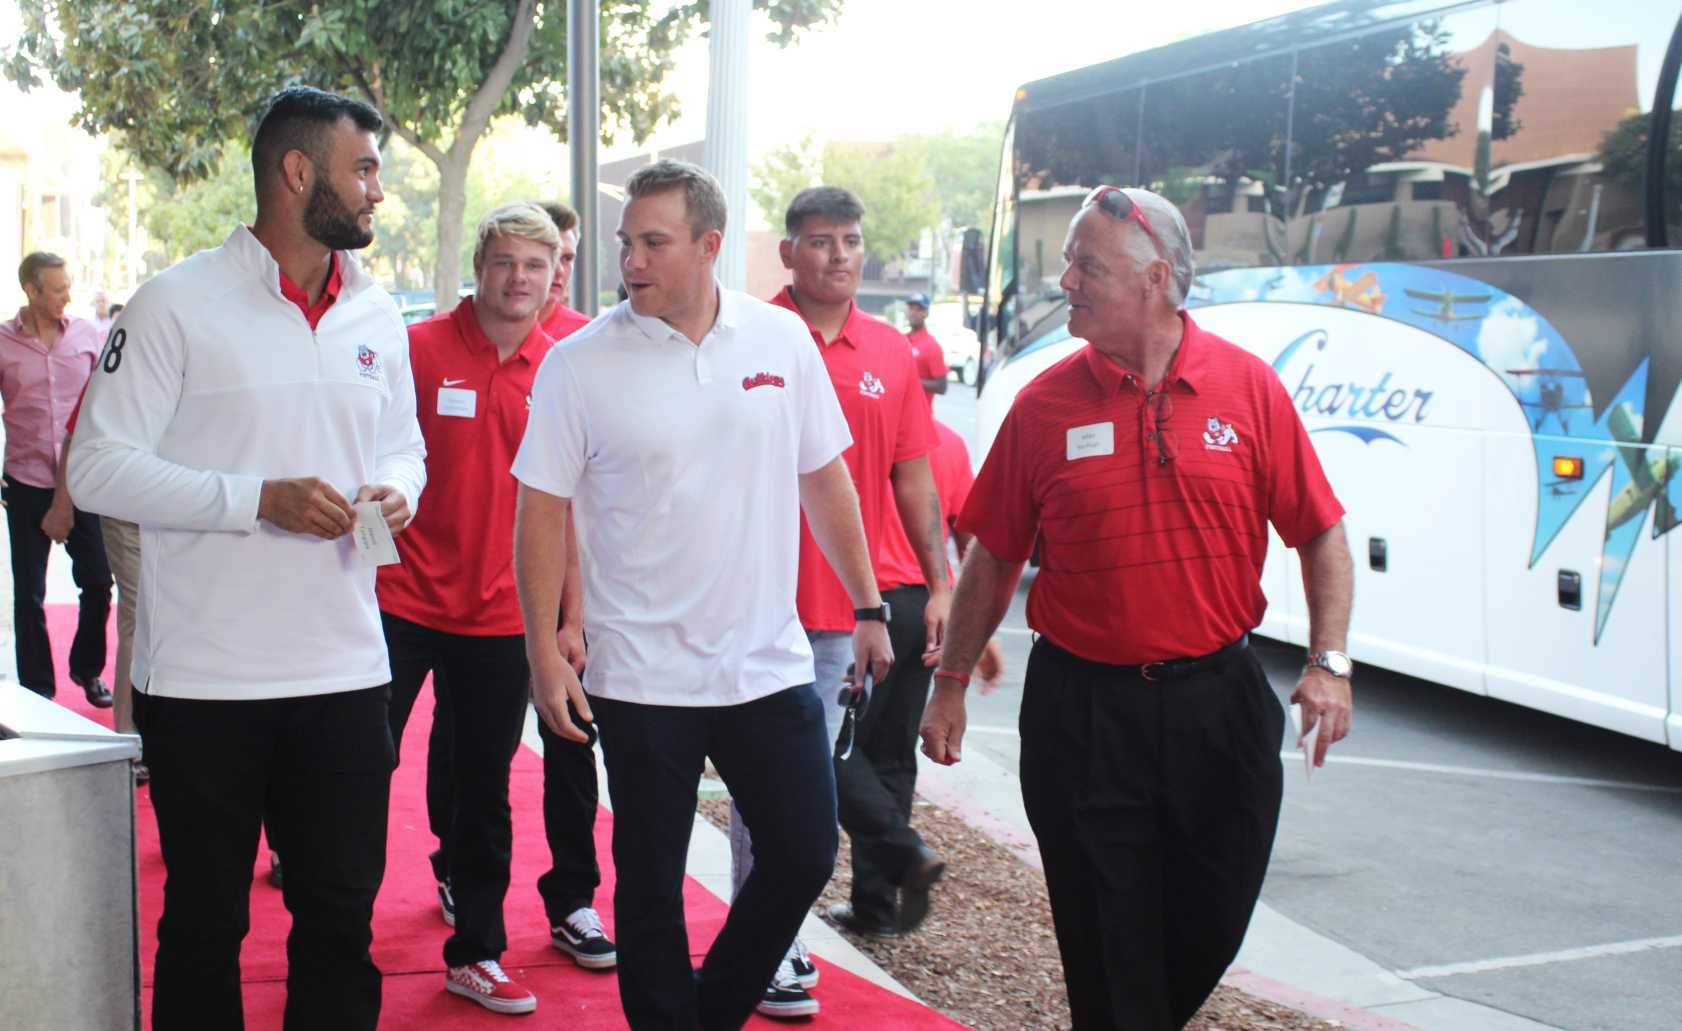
871 387
1219 436
368 364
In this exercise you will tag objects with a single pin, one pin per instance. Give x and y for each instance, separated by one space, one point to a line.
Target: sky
888 67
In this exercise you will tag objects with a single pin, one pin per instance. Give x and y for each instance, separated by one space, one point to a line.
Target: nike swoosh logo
452 382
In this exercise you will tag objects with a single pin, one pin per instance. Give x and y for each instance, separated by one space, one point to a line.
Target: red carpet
409 935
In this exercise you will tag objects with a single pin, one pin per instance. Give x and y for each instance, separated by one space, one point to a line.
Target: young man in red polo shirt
450 607
557 319
879 390
1149 465
925 349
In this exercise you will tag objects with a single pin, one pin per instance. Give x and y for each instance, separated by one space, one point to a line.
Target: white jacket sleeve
131 399
400 456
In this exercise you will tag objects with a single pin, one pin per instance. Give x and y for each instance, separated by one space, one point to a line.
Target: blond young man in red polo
1148 465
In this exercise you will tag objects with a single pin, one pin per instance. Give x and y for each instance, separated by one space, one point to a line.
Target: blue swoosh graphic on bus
1365 434
1533 361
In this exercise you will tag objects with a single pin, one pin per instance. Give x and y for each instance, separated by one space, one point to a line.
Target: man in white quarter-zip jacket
246 398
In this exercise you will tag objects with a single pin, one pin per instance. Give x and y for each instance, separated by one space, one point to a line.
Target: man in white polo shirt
246 398
688 429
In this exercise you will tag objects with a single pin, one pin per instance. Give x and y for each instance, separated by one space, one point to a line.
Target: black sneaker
98 695
274 870
784 999
925 871
841 914
805 971
580 936
446 902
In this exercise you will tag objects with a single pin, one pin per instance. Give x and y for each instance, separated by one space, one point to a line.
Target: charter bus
1452 230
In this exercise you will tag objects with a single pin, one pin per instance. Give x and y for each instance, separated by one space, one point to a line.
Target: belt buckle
1145 671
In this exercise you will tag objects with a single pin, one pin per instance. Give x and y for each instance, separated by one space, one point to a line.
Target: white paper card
1306 742
458 402
1092 441
374 544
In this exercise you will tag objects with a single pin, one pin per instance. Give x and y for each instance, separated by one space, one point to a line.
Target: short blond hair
521 219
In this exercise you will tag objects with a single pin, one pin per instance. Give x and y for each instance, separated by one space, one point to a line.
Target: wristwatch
878 614
1335 663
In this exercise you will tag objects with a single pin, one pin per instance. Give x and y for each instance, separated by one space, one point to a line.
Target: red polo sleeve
915 433
1003 511
931 358
1301 505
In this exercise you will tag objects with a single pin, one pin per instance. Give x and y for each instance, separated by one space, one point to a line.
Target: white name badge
1091 441
374 543
458 402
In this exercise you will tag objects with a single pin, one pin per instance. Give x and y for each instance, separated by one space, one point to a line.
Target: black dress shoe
842 914
925 870
99 696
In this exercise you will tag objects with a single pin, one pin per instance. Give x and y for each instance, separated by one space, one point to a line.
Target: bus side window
1214 143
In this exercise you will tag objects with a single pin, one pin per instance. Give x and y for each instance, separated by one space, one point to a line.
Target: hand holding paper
374 543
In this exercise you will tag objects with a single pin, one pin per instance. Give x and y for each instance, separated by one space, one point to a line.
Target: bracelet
952 674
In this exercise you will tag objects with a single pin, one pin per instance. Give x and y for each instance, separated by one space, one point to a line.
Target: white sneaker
805 971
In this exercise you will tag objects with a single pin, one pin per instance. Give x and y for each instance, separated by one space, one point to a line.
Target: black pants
318 769
26 506
876 784
1155 805
570 799
485 685
773 754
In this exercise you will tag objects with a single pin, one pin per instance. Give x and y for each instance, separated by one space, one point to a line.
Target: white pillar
584 117
726 152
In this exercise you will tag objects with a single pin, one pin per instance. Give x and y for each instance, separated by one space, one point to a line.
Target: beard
330 223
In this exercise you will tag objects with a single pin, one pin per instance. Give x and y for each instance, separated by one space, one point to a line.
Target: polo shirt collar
850 329
21 328
729 317
301 297
1189 366
248 251
531 349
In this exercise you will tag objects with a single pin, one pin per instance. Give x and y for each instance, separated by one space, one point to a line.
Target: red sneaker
486 984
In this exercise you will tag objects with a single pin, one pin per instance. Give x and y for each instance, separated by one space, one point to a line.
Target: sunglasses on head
1114 201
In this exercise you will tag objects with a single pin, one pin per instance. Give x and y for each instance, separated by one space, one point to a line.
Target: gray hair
35 263
703 199
1170 226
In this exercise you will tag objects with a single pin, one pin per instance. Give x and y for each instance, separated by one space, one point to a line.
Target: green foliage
176 81
897 192
917 182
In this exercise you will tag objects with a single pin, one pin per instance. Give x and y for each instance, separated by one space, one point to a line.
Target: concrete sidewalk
1281 960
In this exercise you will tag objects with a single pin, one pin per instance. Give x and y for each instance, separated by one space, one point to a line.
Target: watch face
1336 662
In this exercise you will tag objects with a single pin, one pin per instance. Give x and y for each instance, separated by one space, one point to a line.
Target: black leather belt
1173 669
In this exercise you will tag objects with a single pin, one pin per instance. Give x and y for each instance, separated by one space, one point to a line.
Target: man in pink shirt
45 361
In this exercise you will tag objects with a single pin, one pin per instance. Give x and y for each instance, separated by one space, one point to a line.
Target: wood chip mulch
987 956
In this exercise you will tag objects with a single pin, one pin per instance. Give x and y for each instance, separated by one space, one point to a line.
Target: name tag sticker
458 402
374 544
1091 441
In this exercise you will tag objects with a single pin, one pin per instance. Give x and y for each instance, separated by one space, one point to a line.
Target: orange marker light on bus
1568 468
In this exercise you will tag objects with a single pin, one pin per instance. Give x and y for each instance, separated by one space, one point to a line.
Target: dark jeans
318 769
484 686
876 783
26 506
1155 806
774 758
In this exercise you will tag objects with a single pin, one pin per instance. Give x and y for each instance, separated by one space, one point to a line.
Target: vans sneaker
486 984
580 936
784 999
446 902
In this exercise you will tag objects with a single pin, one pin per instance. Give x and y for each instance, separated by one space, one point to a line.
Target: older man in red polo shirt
1148 465
450 608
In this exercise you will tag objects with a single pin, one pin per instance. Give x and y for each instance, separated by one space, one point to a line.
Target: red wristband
952 674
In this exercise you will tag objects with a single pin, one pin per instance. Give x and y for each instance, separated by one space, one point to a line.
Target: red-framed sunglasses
1117 204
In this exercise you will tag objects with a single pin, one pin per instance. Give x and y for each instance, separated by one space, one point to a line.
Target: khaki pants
122 552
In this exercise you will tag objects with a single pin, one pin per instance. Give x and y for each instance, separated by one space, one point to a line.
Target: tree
897 192
177 81
781 174
966 167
